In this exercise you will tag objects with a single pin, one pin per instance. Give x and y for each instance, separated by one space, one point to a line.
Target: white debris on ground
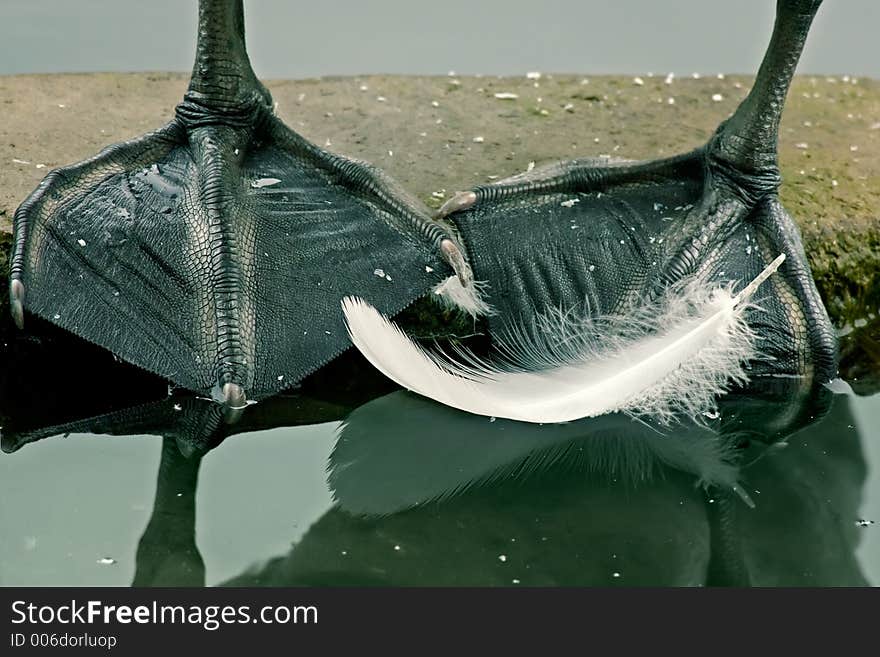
265 182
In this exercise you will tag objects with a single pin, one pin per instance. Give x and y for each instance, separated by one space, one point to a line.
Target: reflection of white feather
674 357
401 451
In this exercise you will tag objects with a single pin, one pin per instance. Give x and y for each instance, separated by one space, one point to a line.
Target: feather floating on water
660 360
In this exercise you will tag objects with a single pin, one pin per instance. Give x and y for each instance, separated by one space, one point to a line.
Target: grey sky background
293 39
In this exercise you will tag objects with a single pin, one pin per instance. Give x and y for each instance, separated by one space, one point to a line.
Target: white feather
659 360
452 294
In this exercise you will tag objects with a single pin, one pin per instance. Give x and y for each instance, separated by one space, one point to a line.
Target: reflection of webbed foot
215 250
598 236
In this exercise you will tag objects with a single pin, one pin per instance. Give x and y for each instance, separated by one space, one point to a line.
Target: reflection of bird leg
727 566
215 250
167 554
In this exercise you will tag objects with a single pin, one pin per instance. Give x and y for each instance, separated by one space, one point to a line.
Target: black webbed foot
598 236
215 251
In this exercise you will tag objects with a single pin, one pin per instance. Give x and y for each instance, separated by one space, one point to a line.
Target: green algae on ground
437 135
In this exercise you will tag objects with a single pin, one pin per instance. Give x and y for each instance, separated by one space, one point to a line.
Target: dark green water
346 481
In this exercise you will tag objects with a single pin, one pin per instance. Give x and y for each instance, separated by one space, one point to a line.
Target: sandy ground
440 134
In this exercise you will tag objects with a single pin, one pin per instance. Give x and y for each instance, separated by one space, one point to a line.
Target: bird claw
454 257
461 201
234 401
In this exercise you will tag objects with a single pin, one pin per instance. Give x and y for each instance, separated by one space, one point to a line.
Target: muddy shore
440 134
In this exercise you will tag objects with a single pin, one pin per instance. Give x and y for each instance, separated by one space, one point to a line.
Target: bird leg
746 144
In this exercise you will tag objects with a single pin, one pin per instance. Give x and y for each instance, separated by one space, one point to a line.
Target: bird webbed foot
215 252
217 255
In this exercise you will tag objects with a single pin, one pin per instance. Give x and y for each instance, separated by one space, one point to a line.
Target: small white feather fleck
264 182
470 300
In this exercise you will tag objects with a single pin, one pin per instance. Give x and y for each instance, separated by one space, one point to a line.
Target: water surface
351 482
